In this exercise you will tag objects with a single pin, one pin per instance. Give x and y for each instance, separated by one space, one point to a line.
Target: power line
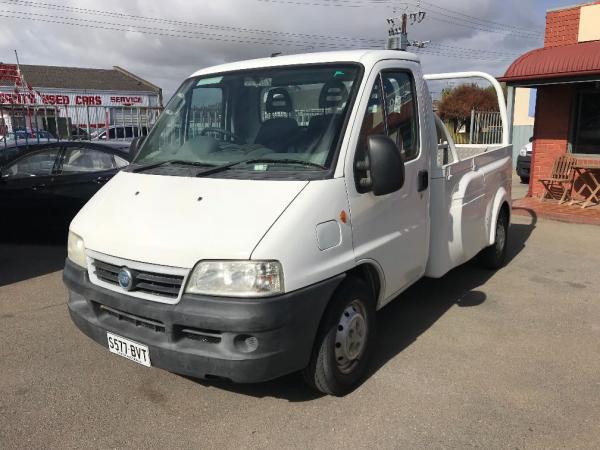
119 27
490 52
95 12
97 24
173 33
491 22
395 3
467 20
485 29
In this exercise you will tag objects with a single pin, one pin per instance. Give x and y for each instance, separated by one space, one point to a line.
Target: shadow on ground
402 321
32 253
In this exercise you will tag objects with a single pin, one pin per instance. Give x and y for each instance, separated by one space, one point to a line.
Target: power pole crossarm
398 35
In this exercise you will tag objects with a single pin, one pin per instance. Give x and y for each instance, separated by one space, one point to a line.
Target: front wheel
524 180
494 256
345 341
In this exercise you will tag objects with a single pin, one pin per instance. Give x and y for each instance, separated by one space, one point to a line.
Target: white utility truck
273 208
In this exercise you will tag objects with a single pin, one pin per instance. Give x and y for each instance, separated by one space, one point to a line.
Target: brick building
566 74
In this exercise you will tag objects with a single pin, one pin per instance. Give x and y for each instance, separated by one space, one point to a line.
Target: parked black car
47 184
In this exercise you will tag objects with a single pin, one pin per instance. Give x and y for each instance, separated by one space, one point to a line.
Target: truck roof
365 57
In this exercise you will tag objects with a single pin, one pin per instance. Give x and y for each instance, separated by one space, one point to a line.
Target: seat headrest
333 94
279 100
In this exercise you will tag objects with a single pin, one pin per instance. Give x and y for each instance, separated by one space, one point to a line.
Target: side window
206 110
37 165
373 123
401 112
111 133
81 160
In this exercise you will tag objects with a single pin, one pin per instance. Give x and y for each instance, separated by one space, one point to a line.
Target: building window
586 130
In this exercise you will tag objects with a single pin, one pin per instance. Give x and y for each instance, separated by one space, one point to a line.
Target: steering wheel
225 133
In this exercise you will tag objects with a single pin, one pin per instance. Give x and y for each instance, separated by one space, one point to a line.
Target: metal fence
486 127
46 123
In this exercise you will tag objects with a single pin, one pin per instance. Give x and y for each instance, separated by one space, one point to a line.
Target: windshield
267 120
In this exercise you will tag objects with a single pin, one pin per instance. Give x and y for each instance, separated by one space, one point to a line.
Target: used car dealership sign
73 99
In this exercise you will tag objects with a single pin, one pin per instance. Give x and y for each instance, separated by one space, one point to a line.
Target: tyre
525 180
494 256
345 340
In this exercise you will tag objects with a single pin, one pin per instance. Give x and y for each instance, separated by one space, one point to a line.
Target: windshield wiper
218 169
171 161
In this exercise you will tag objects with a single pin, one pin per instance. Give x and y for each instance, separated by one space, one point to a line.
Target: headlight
236 278
523 151
76 250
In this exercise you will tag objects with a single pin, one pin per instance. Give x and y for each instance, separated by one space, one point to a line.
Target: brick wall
562 27
551 134
551 131
554 103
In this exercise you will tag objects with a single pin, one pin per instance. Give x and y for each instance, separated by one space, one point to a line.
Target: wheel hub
351 337
500 236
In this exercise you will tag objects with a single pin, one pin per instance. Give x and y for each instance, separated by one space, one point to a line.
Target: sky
166 41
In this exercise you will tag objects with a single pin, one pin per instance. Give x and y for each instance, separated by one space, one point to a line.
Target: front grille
162 285
197 334
138 321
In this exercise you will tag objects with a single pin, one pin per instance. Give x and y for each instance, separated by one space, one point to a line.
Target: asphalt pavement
477 359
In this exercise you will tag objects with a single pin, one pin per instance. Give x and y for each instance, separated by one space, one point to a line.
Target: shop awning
580 60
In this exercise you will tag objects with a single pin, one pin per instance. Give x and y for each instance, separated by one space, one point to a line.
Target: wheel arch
501 203
372 274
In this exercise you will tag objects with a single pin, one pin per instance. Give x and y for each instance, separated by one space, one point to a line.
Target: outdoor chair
557 184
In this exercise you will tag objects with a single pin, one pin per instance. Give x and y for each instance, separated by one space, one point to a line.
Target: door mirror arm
134 147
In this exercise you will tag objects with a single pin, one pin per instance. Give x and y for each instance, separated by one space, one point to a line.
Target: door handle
38 186
422 180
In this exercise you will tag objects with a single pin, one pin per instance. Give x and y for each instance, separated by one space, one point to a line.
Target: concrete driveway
476 359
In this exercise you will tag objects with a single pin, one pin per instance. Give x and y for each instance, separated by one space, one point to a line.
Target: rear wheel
345 340
525 180
494 256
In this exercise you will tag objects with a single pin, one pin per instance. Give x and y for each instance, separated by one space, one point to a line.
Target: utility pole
398 30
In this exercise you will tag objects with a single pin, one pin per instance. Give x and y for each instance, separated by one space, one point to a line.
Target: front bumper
205 336
523 166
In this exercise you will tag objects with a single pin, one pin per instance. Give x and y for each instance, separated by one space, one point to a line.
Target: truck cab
275 206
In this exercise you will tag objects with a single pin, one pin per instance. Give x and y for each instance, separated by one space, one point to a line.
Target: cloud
166 61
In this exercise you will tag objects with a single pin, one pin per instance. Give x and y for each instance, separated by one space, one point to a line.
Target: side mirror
386 165
531 139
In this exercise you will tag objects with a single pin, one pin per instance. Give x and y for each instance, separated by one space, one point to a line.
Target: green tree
457 103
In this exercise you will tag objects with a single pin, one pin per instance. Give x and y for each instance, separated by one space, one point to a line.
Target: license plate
129 349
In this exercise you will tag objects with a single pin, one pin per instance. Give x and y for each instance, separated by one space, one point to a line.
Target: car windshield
267 120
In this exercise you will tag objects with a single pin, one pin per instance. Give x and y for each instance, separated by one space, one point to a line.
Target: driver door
392 230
